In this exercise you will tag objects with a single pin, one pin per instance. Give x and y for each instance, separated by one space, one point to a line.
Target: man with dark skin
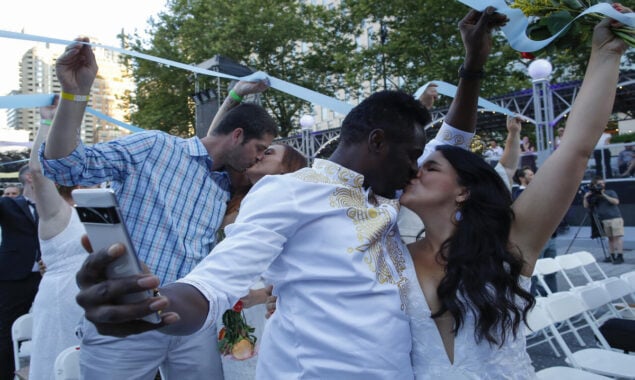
381 135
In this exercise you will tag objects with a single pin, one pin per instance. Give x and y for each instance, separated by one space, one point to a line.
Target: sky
63 19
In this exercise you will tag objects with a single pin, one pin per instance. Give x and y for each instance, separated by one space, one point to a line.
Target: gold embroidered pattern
372 224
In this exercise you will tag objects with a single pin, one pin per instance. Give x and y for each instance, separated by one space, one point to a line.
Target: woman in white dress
469 275
55 312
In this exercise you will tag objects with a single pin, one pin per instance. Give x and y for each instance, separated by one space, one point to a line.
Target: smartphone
99 213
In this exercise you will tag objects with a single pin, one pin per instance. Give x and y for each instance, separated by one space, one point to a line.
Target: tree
422 43
286 39
410 42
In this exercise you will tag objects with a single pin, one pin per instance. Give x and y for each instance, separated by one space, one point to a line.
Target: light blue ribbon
43 100
448 89
516 29
278 84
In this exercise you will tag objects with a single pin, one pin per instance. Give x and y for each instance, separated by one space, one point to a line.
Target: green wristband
46 121
235 96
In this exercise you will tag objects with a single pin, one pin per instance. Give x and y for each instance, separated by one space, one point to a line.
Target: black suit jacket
20 246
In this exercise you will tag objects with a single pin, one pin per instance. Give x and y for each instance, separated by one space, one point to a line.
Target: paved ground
578 239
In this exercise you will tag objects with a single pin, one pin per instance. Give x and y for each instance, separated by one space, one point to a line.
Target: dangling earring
458 215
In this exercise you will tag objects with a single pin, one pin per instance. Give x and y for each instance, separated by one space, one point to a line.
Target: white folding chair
597 300
545 266
21 331
535 338
587 259
539 320
570 262
601 361
629 277
560 373
66 365
617 289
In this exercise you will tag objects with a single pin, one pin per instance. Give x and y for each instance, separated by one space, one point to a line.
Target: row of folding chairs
553 312
596 286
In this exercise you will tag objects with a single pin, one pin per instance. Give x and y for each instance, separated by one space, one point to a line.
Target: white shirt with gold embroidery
332 252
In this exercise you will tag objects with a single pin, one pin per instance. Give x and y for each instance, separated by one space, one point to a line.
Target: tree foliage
410 43
286 39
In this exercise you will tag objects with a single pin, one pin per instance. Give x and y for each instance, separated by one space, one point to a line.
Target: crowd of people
232 217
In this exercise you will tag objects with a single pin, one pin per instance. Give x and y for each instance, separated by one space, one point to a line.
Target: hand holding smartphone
99 213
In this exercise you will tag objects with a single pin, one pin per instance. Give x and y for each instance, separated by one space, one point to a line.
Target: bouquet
549 16
236 338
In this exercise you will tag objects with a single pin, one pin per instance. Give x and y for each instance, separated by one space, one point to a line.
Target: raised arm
240 90
511 154
76 70
476 32
556 183
52 209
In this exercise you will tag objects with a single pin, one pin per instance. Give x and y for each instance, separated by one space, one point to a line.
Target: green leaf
573 4
557 21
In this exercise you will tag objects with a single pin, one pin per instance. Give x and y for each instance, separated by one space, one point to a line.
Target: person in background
55 312
558 138
172 192
626 161
19 270
524 177
604 203
493 153
11 191
602 156
527 153
511 154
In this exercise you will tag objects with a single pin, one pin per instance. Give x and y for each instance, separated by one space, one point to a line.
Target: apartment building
37 76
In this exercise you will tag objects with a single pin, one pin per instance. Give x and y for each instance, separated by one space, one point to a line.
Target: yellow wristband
75 98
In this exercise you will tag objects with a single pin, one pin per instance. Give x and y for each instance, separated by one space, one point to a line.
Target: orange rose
243 349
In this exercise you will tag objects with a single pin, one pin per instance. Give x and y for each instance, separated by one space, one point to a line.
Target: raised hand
476 32
429 96
513 124
604 40
243 88
77 68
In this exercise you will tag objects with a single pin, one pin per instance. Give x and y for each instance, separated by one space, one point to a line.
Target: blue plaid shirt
171 200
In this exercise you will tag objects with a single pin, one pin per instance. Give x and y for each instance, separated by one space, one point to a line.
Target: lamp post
307 122
539 71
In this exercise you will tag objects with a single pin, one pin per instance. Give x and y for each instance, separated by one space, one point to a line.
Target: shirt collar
338 173
196 148
341 175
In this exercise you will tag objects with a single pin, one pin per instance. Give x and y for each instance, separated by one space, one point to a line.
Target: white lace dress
472 360
55 312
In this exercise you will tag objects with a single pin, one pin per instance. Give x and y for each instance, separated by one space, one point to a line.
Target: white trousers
137 357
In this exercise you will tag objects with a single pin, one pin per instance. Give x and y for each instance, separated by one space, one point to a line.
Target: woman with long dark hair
469 276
